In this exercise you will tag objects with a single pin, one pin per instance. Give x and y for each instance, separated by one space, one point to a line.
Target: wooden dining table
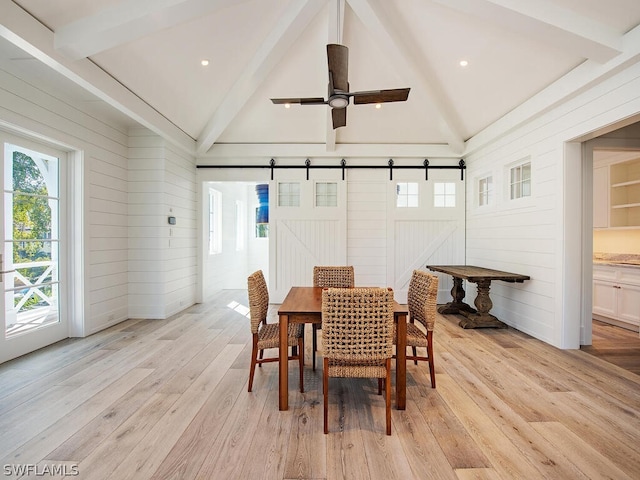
304 305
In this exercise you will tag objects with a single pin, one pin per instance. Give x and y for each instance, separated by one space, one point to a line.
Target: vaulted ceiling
139 62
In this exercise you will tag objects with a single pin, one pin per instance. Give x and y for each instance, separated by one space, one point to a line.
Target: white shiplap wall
162 257
532 236
102 146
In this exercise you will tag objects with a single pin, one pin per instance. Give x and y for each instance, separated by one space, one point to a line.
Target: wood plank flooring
615 345
167 399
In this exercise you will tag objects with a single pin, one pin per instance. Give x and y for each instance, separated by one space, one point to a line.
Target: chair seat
415 336
269 335
347 370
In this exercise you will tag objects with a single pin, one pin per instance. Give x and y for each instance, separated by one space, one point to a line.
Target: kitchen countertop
617 259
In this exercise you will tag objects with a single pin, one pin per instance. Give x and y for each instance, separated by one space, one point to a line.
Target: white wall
103 148
117 228
541 236
162 257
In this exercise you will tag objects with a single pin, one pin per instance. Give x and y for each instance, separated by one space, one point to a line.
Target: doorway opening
235 234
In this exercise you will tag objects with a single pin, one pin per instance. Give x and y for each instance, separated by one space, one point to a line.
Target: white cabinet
616 294
616 194
625 194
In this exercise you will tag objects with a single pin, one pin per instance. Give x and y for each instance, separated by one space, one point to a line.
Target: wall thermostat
172 220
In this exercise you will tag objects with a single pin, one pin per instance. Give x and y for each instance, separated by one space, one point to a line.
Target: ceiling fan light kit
339 95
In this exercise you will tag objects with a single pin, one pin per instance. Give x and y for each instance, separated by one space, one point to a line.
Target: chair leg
415 354
432 371
325 393
314 328
254 360
388 396
301 362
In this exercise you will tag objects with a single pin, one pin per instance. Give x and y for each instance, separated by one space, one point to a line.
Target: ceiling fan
339 94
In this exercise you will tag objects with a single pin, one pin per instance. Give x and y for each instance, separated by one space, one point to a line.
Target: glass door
30 254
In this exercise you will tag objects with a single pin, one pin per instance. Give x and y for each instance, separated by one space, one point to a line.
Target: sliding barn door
307 226
425 226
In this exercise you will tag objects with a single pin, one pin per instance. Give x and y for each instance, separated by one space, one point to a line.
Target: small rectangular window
288 194
326 194
407 195
444 194
520 181
215 221
485 190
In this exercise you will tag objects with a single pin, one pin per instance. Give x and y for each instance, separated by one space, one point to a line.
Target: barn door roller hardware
343 166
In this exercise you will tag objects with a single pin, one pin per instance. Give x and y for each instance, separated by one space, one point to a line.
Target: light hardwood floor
167 399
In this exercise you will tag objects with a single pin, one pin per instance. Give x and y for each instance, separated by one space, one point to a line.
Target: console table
478 317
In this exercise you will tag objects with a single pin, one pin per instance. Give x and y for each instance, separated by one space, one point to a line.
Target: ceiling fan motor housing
339 100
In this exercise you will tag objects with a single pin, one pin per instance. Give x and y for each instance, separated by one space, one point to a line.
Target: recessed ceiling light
378 105
287 105
463 63
204 62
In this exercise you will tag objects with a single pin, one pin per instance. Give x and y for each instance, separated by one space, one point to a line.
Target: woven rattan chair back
422 302
258 299
357 333
330 276
333 276
357 326
267 335
422 298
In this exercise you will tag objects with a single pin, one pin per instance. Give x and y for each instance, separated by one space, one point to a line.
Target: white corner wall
162 257
538 236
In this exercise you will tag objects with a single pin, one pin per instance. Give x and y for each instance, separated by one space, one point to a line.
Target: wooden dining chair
267 335
330 276
421 299
357 335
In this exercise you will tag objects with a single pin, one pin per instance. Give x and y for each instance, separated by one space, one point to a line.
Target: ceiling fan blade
339 117
301 101
338 62
381 96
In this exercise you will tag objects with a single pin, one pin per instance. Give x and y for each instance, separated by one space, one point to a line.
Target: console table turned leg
457 305
482 318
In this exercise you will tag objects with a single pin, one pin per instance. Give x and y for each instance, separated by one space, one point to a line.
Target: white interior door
31 244
425 226
307 227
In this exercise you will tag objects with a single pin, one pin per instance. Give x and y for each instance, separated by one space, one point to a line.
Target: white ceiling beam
289 27
27 33
317 150
127 21
544 20
399 49
336 29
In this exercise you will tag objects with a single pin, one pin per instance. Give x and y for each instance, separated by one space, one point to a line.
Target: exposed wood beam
336 29
395 42
128 21
27 33
544 20
289 27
